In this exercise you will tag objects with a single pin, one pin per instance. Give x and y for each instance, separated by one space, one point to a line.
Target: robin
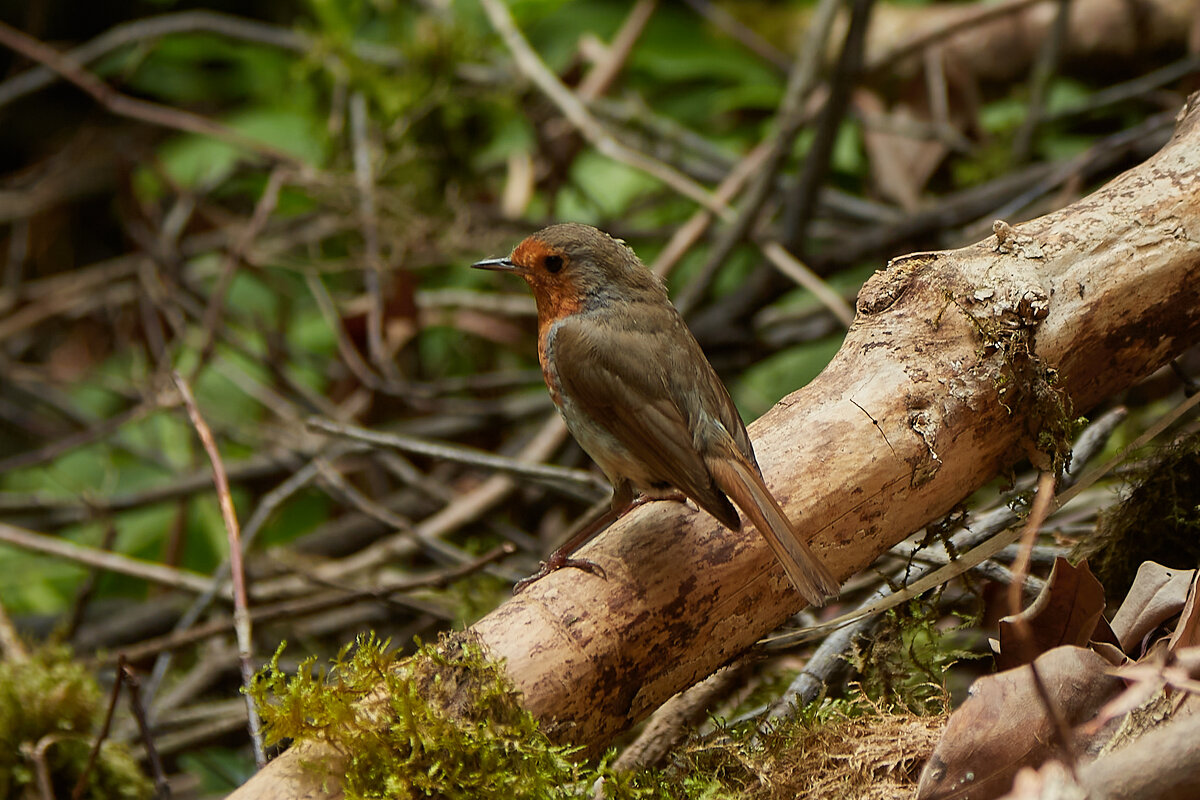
639 396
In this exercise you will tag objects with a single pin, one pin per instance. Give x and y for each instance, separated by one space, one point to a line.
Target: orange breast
546 359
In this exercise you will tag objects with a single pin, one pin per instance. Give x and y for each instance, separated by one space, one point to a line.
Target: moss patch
1031 387
50 710
445 723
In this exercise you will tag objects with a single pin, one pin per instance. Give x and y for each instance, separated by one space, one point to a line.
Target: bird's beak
497 264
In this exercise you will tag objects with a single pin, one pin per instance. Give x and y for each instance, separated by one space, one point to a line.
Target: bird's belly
613 457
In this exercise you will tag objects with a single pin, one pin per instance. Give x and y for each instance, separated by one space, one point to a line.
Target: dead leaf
1158 593
1187 632
1003 725
1065 612
1159 669
901 164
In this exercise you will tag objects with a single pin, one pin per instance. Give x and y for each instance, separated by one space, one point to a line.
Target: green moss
1030 387
1158 521
904 663
443 722
52 704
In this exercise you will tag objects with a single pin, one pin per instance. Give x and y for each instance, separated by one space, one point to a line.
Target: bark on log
909 418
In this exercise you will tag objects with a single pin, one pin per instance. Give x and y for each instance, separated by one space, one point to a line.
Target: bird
638 394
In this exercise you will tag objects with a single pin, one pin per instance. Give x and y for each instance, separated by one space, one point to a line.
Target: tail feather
738 479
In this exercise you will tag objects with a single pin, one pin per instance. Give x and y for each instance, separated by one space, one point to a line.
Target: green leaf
200 161
761 386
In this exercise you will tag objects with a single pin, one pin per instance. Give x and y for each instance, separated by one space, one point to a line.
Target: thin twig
788 122
1127 90
81 784
588 126
74 441
746 36
11 647
792 267
596 134
233 258
368 222
597 81
172 577
462 455
309 604
346 348
972 17
241 615
1033 524
1044 68
463 509
266 507
41 769
135 31
690 232
132 107
801 201
161 786
59 513
1001 198
85 590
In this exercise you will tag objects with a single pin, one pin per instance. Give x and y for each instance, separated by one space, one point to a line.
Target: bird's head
573 267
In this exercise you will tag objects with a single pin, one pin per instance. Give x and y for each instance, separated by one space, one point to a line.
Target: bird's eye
552 263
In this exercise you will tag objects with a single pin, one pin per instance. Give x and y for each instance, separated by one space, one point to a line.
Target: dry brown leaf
1187 632
1158 593
1179 670
1065 612
1003 725
900 165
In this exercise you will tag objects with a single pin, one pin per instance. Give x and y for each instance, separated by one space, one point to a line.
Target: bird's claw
554 564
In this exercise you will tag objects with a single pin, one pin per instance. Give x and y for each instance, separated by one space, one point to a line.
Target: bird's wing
627 381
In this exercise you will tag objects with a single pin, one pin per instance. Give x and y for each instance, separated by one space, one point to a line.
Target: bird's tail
737 478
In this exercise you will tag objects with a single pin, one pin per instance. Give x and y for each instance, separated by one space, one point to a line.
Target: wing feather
621 379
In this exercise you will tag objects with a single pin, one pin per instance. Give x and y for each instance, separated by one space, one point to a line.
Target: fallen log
959 364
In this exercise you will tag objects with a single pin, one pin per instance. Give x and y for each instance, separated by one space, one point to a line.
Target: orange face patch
556 293
531 253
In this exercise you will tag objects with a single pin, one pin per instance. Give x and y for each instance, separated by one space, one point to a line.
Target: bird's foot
554 563
670 495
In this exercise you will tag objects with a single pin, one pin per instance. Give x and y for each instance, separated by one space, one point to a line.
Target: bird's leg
622 502
560 558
